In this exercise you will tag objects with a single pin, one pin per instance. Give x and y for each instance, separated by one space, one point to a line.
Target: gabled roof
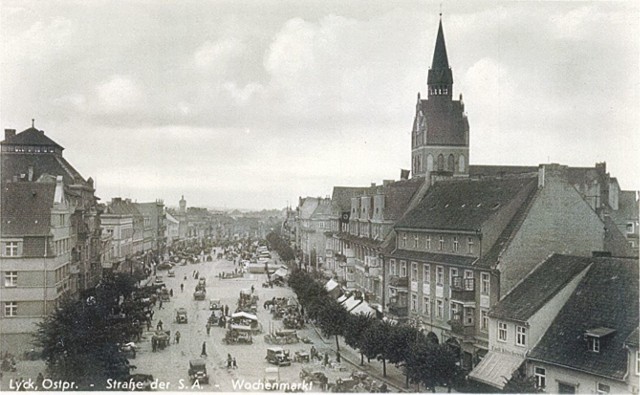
341 197
495 171
26 208
15 164
398 195
31 136
540 286
464 204
606 297
323 209
307 207
119 206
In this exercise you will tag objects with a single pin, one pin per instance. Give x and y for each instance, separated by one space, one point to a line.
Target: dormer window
596 336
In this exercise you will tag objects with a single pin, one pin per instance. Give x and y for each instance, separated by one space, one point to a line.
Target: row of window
457 312
419 165
485 284
540 376
28 148
521 334
440 243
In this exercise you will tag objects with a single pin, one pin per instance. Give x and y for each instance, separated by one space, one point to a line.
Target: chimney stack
8 133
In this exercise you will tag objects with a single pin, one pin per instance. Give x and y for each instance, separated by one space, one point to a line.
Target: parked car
198 371
271 377
164 265
171 273
278 356
215 304
181 315
200 294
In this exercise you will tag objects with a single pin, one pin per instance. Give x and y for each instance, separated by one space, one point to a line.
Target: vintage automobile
198 371
215 304
315 376
282 336
278 356
164 295
181 316
271 377
202 281
238 334
164 265
200 294
171 273
158 281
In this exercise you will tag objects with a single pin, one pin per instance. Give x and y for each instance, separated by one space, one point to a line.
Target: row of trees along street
281 247
81 339
423 360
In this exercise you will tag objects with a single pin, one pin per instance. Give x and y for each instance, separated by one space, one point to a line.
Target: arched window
451 163
440 162
429 162
461 164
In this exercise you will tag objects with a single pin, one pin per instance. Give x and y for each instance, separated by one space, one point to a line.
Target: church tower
440 134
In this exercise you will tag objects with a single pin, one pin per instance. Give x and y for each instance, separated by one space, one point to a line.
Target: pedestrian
39 380
208 328
159 326
160 305
177 337
154 344
148 325
234 364
185 278
252 289
229 360
204 349
326 359
171 292
181 287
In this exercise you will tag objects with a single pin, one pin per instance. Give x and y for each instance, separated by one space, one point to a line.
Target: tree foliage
281 246
80 338
519 383
423 359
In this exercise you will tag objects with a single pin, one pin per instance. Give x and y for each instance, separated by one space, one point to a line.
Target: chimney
30 176
8 133
58 195
404 174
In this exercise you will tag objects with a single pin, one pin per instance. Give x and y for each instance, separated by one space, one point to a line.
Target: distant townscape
525 277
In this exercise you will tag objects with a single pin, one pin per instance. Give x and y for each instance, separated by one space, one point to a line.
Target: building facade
50 233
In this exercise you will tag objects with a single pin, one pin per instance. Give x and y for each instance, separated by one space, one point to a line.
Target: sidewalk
395 379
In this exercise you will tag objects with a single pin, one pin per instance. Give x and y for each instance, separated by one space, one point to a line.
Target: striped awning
496 368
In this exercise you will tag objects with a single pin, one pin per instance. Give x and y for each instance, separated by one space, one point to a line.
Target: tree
331 319
80 338
519 383
354 328
400 340
374 340
431 364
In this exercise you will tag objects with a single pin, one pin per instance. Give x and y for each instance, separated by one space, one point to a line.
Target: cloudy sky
251 104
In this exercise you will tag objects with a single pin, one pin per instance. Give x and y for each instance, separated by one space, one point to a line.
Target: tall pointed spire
440 76
440 60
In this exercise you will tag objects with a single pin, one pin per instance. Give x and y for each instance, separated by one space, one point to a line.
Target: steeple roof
31 136
440 72
440 60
